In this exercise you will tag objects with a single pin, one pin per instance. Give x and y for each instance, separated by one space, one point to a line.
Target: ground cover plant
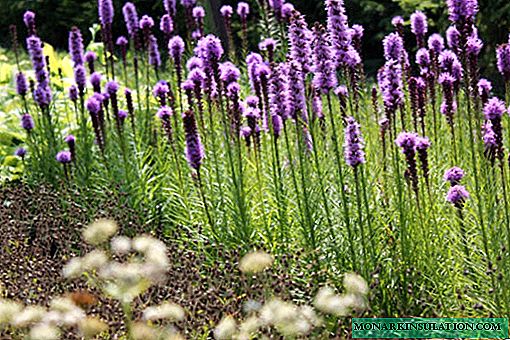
291 148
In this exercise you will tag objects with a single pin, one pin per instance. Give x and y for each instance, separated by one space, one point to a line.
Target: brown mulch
40 231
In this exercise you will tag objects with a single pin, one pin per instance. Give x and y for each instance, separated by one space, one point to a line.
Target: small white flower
44 332
28 316
249 326
255 262
225 329
94 260
143 244
90 327
121 245
8 309
328 302
73 268
355 284
167 310
99 231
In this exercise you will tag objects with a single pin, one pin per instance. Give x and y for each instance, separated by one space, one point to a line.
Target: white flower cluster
146 264
46 323
286 318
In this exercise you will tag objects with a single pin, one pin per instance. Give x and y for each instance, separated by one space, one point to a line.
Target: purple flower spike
131 18
243 10
35 49
436 43
29 20
407 141
105 8
146 23
423 58
297 99
503 61
188 3
112 87
324 68
95 81
276 6
76 46
300 42
268 44
91 57
21 84
122 115
393 47
287 10
166 25
73 93
490 141
397 21
474 45
419 23
198 12
64 157
154 56
194 148
70 140
165 113
484 90
226 11
457 195
494 109
419 26
176 48
277 123
454 175
462 11
453 38
422 145
170 7
27 122
93 105
229 73
21 152
338 27
354 144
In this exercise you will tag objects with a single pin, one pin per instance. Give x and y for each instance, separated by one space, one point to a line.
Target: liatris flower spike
419 27
90 58
76 46
21 84
71 143
454 175
457 195
27 122
354 144
64 157
194 147
29 20
21 153
503 61
407 141
73 93
131 19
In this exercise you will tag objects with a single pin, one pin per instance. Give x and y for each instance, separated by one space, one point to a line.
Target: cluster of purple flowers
457 194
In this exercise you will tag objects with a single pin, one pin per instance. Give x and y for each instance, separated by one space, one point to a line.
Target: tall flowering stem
106 13
407 142
195 155
354 153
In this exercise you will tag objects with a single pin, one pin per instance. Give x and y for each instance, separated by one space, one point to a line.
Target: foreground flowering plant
123 269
